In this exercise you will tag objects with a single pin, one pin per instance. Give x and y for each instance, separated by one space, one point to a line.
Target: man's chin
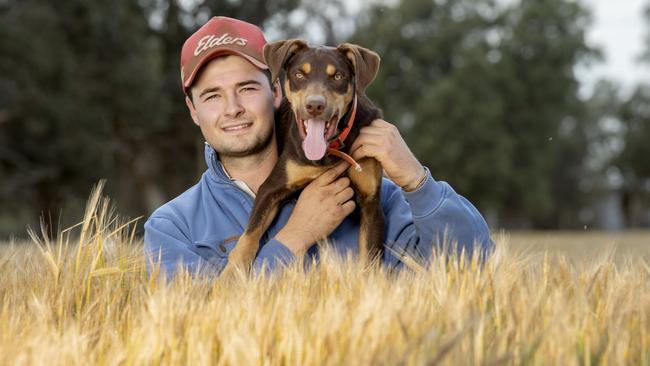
242 146
236 153
243 151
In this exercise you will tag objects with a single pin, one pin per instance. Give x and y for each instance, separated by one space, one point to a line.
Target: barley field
83 297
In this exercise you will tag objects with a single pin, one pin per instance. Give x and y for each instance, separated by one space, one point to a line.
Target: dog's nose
315 104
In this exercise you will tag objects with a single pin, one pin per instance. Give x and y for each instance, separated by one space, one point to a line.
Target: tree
91 90
635 114
544 43
436 81
481 93
80 96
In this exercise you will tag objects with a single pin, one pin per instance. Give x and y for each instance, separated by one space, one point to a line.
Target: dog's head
320 84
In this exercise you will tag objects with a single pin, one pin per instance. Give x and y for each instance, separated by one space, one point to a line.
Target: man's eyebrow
247 82
238 85
209 90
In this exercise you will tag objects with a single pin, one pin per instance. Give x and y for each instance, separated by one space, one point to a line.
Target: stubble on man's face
257 108
260 143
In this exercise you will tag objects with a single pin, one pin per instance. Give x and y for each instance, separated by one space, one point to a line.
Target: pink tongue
314 144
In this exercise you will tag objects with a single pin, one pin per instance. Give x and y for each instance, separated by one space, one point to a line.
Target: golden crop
84 298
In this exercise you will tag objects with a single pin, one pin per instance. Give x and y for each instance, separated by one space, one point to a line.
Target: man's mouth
237 127
315 133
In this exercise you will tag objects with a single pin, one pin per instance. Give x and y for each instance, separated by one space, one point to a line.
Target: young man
232 100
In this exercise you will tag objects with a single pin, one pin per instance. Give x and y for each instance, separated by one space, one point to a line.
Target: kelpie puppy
324 108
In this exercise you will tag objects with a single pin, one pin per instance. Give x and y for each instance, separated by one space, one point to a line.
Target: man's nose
234 107
315 104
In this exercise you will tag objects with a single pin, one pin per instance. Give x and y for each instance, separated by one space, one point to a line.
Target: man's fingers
344 195
369 138
371 130
330 175
367 151
380 123
341 183
348 207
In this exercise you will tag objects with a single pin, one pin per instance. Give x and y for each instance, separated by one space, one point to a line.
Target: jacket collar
214 165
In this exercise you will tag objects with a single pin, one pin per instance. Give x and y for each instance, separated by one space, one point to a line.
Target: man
232 100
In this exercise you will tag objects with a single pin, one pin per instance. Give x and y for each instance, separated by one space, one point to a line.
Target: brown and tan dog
324 108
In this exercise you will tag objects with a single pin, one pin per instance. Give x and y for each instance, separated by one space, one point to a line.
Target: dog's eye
299 75
338 76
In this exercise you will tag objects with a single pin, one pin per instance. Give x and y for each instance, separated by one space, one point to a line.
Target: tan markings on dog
351 57
316 89
306 68
230 238
249 242
297 99
363 241
330 70
337 103
340 102
242 256
243 253
347 97
368 180
299 175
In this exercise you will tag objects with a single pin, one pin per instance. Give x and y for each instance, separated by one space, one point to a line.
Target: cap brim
221 52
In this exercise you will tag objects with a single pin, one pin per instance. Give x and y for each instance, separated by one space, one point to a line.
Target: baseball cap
220 36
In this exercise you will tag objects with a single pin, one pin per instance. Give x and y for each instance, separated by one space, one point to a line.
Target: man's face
233 104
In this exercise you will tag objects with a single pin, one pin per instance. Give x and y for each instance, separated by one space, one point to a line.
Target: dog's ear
276 54
364 62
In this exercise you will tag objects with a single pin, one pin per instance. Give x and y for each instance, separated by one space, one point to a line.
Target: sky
618 30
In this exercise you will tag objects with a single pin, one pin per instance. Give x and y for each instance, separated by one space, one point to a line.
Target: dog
323 110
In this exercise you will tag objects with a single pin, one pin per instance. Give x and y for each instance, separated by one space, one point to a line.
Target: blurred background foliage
485 93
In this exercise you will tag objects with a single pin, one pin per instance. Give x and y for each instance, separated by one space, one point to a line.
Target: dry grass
83 298
587 245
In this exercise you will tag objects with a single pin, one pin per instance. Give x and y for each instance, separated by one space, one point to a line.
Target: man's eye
338 76
299 75
212 96
248 89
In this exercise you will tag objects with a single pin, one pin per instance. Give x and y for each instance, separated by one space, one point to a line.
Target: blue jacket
199 228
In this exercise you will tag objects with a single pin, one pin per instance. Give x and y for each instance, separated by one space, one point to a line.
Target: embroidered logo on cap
210 41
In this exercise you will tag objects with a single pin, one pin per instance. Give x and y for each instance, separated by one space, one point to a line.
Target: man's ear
276 54
364 62
190 106
277 93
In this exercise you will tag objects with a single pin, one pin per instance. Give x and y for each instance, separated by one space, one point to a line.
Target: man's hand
382 141
321 207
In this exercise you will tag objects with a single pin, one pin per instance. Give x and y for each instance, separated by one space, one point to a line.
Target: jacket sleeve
271 255
432 217
167 244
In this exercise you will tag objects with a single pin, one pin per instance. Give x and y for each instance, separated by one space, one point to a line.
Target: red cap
219 36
